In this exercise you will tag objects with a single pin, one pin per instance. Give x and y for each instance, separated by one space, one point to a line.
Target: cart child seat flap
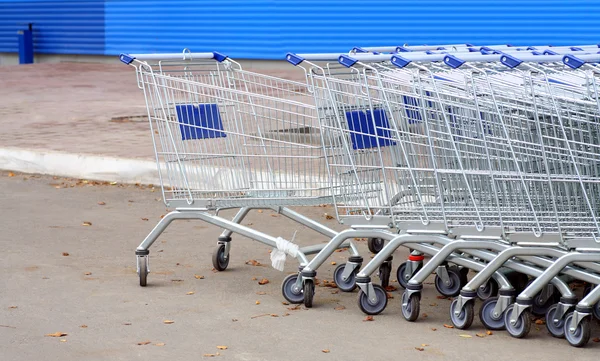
199 121
368 129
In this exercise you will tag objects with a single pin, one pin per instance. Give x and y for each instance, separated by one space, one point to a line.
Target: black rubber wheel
540 308
488 290
142 265
464 275
581 336
403 277
464 319
453 289
373 308
596 311
518 280
219 259
347 285
487 317
384 274
309 293
523 325
289 291
411 306
556 328
375 244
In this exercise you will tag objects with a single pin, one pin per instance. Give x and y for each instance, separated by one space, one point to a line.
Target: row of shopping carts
483 158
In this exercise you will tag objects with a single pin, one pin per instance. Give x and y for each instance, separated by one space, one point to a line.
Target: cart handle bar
128 58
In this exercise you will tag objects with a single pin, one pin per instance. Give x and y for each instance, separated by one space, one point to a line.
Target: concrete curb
81 166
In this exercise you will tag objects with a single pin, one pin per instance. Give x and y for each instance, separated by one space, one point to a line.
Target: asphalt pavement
69 290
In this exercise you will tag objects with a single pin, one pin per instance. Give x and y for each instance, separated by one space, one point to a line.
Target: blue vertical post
26 44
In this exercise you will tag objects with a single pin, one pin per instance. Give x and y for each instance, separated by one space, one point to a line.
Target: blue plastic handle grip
572 61
347 61
294 59
399 61
219 57
359 50
126 58
510 61
550 52
453 61
402 49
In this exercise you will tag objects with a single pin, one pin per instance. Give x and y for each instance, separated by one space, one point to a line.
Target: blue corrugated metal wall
66 27
268 28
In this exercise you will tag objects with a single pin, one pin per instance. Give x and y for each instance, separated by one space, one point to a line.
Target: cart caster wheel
487 316
347 285
142 266
452 289
373 308
411 306
522 327
464 319
384 274
289 290
540 308
581 336
219 259
556 328
487 291
375 244
596 311
403 277
309 293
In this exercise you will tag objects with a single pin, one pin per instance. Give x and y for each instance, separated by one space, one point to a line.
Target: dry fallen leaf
211 354
448 326
127 324
222 347
198 277
56 334
333 263
389 295
419 349
63 340
539 321
159 344
433 304
101 203
424 315
424 344
264 281
83 326
257 302
168 322
260 211
86 223
339 308
13 307
480 335
253 278
113 183
465 336
253 262
285 314
325 351
274 315
261 293
327 216
440 297
190 293
234 319
489 333
144 219
144 343
176 280
11 174
433 329
65 254
368 318
88 273
596 339
297 307
285 303
274 215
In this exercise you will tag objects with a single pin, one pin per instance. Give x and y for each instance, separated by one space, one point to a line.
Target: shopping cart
519 161
228 138
484 179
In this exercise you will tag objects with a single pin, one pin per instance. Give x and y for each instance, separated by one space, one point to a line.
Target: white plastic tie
279 254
